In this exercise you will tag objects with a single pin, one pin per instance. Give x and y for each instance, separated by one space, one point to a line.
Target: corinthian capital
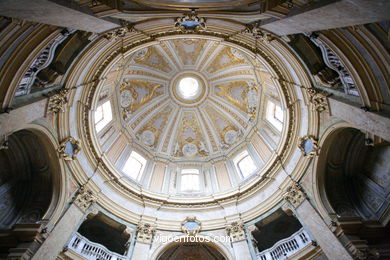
84 198
236 231
145 233
294 195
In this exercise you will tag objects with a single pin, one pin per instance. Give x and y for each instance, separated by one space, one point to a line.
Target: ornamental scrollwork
191 226
294 195
318 99
120 32
236 231
69 148
145 233
84 198
259 33
309 146
58 101
190 23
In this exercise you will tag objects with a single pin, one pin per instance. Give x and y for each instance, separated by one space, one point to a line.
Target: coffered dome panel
187 98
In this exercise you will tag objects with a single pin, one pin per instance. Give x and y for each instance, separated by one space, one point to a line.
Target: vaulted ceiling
152 110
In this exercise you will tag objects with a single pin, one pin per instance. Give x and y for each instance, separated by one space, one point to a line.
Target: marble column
60 13
61 232
236 232
323 15
312 222
376 123
145 233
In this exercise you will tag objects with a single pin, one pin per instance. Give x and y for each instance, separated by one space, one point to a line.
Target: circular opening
188 87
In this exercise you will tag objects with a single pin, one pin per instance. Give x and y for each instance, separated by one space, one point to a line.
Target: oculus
189 87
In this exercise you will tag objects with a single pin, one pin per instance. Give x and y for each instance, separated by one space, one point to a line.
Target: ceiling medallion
190 23
191 226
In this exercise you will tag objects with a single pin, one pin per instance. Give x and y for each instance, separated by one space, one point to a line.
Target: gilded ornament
84 198
259 33
69 148
309 146
58 100
318 99
191 226
120 32
190 23
294 195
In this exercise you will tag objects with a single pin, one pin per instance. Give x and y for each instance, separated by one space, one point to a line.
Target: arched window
190 180
134 166
103 116
245 164
274 115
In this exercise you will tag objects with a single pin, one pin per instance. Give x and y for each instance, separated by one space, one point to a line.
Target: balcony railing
91 250
286 247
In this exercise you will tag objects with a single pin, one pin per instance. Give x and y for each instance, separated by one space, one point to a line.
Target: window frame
105 113
270 115
133 156
196 172
239 158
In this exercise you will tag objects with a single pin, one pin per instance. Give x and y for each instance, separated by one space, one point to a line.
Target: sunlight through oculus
189 87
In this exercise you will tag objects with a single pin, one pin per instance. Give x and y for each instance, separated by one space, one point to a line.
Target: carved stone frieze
236 231
69 148
145 233
58 101
84 198
294 195
309 146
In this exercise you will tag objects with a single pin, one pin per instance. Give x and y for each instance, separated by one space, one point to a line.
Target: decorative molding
309 146
190 23
259 33
191 226
84 198
58 100
236 231
318 99
145 233
119 32
294 195
69 148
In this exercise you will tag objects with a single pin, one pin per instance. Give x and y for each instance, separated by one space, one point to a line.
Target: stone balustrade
286 247
91 250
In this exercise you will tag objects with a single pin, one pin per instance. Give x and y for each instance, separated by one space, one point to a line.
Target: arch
220 247
351 189
348 184
32 185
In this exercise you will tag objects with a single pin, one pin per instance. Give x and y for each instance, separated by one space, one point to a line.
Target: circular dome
188 88
191 111
189 98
